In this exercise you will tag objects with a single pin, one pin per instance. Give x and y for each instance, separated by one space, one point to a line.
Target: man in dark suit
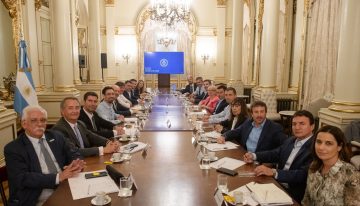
202 93
292 158
191 87
38 160
119 106
222 103
257 134
129 94
93 121
89 143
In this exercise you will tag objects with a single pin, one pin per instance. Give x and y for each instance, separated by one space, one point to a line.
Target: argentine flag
25 93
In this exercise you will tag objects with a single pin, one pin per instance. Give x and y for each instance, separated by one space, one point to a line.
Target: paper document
213 134
228 163
247 198
266 194
130 119
218 147
140 146
82 188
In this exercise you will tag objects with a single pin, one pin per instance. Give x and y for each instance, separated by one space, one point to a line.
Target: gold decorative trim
221 2
306 5
346 103
103 31
109 3
344 110
247 2
37 4
267 87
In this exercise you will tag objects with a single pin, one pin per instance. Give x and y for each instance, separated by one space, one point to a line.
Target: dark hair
141 90
62 103
87 94
133 80
198 78
120 84
223 87
231 89
339 136
127 81
305 113
208 80
258 104
243 113
103 91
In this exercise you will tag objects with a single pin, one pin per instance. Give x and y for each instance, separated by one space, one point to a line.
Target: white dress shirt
124 101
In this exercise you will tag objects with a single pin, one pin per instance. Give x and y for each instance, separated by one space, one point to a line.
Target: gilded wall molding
102 30
221 2
37 4
260 16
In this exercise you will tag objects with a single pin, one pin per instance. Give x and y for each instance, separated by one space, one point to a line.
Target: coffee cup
116 156
100 198
211 155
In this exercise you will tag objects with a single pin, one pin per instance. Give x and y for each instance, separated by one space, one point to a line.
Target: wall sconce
205 57
126 58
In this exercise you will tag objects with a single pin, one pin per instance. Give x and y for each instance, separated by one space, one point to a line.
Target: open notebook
269 194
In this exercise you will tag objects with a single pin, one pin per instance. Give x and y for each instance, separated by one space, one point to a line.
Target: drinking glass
222 183
125 186
205 162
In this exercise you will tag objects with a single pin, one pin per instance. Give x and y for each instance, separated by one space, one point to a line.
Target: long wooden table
168 175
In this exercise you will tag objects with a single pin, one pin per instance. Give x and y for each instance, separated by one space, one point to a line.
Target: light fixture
205 57
126 58
170 12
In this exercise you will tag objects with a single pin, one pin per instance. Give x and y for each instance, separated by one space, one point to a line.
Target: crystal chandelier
170 12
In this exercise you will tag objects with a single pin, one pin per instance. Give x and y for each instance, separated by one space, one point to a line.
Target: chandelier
170 12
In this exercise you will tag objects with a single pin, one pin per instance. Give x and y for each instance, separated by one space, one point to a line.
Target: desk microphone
114 174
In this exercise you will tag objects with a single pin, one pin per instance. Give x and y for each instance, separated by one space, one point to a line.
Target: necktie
78 136
191 88
93 123
48 161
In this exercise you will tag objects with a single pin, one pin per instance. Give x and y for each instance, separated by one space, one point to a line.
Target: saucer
124 139
107 201
214 159
116 161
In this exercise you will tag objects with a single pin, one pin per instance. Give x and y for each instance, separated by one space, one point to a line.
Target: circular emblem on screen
164 62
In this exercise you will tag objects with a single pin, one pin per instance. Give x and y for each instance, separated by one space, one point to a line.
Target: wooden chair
3 178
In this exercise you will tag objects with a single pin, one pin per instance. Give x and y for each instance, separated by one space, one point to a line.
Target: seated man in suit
93 121
293 157
122 105
222 103
133 93
191 87
106 109
38 160
256 134
89 143
128 93
230 95
202 93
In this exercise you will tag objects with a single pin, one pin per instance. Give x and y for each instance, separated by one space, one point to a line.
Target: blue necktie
78 136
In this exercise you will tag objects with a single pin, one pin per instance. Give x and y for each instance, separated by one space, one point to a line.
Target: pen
88 189
266 193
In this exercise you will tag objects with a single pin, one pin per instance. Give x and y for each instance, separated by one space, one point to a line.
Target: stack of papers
218 147
82 188
269 194
213 134
247 198
228 163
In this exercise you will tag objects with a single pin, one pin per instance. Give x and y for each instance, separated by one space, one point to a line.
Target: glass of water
222 183
125 186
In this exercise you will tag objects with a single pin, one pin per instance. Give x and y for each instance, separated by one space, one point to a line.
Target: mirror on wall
8 51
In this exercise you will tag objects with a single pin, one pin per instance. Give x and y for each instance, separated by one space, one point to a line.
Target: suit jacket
131 98
120 109
91 140
188 89
26 179
103 127
271 137
297 174
227 124
200 97
220 106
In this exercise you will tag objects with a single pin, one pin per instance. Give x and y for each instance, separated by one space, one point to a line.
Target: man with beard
106 110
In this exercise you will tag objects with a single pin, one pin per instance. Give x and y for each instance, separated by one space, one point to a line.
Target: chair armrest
355 143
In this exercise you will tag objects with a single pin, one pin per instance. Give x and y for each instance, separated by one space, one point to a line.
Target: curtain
321 49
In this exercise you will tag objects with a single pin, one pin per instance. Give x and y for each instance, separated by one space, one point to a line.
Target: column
110 41
236 47
268 57
220 27
94 43
75 44
63 62
346 104
32 43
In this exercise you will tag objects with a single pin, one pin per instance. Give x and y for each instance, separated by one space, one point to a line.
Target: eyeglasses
35 121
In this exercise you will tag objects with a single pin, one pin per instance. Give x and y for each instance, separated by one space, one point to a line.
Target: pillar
110 41
220 28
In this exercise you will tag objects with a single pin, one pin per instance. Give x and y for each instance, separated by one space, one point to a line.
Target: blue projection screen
164 62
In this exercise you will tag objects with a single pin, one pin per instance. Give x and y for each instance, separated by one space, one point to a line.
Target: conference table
169 173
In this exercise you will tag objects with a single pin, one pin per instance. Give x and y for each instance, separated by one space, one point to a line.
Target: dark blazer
188 89
297 174
131 97
104 127
91 140
271 137
26 179
227 124
200 97
222 104
119 109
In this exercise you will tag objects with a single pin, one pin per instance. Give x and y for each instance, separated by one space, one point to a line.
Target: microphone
114 174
